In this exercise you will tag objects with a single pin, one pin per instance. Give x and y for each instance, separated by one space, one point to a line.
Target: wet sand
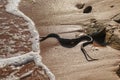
15 41
69 64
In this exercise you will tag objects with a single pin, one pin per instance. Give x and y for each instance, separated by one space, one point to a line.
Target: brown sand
70 64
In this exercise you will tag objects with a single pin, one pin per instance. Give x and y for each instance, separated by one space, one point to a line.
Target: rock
79 6
1 6
117 18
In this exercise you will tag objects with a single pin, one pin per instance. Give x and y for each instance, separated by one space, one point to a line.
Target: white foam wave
12 7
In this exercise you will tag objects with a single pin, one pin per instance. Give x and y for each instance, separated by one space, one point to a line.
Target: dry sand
70 64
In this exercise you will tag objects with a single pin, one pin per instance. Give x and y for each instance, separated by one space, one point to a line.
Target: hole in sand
112 6
88 9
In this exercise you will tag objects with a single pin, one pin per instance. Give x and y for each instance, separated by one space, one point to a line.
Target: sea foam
12 7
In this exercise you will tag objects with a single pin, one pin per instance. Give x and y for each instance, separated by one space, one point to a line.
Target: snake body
70 43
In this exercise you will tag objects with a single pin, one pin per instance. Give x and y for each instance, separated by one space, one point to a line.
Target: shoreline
12 7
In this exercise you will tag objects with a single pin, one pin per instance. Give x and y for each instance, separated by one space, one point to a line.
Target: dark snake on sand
70 43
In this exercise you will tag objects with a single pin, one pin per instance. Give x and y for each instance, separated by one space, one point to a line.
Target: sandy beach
66 17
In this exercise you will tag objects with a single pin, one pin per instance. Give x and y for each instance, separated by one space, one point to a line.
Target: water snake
70 43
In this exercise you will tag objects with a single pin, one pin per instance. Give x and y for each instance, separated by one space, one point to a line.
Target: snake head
99 37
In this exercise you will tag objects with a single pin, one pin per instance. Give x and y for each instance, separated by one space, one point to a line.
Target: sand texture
57 16
67 17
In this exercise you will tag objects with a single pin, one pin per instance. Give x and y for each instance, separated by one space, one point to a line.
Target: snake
70 43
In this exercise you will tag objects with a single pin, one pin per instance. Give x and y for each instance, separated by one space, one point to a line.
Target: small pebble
1 6
79 6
